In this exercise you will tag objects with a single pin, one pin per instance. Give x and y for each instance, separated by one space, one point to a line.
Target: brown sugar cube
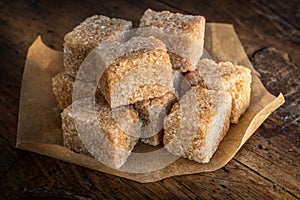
235 79
82 127
183 35
206 75
62 87
238 82
152 112
154 140
85 37
181 84
197 124
63 84
138 70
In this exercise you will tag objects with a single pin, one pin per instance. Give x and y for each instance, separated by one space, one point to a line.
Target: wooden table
267 166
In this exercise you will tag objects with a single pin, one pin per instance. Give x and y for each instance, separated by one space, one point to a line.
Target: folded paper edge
37 42
265 113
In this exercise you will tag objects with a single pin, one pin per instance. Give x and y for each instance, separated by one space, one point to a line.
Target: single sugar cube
183 35
85 37
63 86
101 132
138 70
238 83
197 124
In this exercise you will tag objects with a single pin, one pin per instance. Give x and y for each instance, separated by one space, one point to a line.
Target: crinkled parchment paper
39 127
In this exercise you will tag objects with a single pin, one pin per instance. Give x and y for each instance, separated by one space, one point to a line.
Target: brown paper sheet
39 127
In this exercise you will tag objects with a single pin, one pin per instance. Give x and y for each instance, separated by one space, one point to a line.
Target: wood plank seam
7 170
174 7
94 188
281 187
184 186
128 183
132 187
278 14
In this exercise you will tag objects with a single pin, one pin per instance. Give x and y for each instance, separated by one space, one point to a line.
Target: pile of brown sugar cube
156 80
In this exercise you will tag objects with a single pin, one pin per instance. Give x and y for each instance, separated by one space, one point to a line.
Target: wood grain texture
267 166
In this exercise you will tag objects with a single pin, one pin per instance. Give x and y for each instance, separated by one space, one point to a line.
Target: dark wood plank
274 158
290 12
234 181
280 74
